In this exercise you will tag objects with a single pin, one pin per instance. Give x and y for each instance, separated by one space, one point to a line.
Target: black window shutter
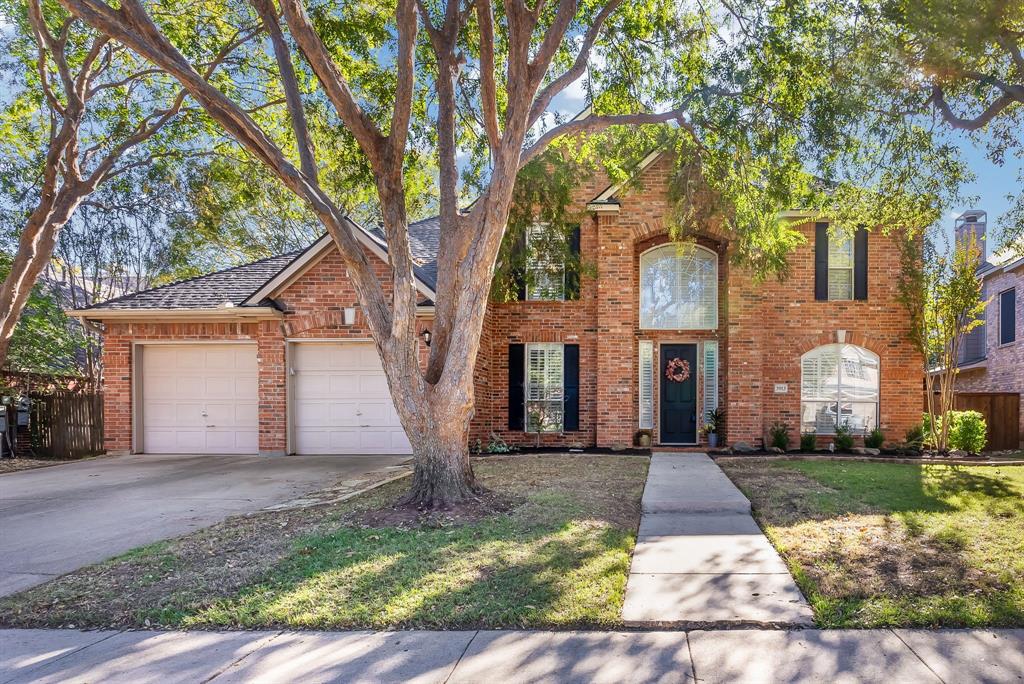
519 269
821 261
860 264
516 386
572 273
1007 317
571 386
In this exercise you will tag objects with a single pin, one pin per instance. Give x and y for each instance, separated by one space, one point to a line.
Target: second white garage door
341 403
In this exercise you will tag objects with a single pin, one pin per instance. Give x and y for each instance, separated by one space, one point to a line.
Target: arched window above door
679 288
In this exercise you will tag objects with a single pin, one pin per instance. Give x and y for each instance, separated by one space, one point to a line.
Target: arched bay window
679 288
838 385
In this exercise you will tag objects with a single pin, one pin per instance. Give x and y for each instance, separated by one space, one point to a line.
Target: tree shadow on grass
494 574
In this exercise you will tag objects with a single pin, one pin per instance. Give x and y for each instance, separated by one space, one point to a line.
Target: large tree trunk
35 249
442 474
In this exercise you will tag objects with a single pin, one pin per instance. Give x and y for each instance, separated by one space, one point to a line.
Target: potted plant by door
712 424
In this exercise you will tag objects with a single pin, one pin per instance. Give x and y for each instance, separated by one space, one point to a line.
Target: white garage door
199 399
341 403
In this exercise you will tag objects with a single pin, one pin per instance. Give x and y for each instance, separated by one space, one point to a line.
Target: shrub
967 431
808 441
915 435
874 439
844 437
779 436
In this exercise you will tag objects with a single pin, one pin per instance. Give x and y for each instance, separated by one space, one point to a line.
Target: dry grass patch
876 544
555 553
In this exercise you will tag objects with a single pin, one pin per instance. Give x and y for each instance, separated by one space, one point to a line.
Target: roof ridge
129 295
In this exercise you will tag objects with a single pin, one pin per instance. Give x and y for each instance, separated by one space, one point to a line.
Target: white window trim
640 289
532 295
839 380
851 268
560 427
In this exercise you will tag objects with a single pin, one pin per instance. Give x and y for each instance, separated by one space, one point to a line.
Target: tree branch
307 158
365 130
593 124
578 67
973 124
488 86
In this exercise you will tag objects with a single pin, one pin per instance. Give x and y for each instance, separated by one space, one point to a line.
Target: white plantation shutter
710 376
840 268
545 390
839 383
547 269
646 385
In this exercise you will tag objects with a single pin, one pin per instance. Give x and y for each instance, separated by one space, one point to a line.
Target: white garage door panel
341 403
182 383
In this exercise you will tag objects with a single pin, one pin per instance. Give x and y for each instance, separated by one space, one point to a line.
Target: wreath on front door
678 370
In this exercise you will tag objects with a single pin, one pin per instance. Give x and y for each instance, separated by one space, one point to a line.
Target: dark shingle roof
237 284
211 291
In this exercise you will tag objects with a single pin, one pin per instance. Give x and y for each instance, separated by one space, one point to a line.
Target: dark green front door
678 406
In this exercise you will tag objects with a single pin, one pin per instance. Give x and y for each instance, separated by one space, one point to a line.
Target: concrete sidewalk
700 559
747 656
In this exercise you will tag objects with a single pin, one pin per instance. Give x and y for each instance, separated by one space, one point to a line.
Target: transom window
545 387
679 288
839 385
545 266
840 268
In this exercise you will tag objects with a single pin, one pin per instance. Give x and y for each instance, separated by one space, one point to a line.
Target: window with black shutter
1008 316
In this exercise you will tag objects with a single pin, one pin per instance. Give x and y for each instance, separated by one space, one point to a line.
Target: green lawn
879 544
558 556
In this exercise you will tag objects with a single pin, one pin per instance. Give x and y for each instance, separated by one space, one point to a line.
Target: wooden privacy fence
67 424
1002 415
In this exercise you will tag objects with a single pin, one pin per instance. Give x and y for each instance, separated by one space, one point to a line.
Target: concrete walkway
700 559
747 656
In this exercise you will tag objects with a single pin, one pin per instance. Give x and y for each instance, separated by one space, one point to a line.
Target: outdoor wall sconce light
426 337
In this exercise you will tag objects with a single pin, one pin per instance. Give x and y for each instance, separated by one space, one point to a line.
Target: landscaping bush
915 436
844 437
968 431
874 439
808 441
779 436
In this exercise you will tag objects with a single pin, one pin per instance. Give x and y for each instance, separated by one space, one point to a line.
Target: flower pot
644 440
712 439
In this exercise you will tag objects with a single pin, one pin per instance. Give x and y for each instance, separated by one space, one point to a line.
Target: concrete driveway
54 520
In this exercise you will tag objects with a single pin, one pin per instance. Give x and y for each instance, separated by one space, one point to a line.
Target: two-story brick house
273 357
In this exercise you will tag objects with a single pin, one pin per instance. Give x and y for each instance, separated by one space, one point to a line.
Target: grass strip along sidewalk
549 548
887 545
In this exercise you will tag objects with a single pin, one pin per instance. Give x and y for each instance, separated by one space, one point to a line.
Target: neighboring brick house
992 357
274 357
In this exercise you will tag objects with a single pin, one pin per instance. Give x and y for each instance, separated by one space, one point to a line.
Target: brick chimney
973 222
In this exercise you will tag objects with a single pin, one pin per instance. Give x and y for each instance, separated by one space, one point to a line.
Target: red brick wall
1004 364
315 304
763 329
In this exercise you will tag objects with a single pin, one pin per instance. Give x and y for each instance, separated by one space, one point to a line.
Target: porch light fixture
426 337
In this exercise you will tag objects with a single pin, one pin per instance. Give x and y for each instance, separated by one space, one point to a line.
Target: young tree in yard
943 297
471 85
87 111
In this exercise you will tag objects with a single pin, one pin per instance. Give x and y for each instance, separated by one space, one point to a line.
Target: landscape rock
743 448
866 451
776 450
